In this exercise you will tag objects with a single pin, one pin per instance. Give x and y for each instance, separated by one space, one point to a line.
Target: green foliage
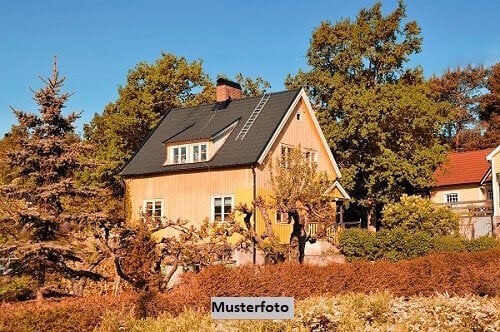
397 244
450 243
357 243
150 92
382 121
252 88
481 243
16 288
413 213
39 226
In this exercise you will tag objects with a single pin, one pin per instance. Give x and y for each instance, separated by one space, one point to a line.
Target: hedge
458 274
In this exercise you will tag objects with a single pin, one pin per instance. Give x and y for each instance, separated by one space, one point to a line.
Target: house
200 162
494 159
464 182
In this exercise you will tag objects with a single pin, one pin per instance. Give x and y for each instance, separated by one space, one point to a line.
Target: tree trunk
298 239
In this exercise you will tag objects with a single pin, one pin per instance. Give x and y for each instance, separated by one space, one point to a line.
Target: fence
476 217
332 232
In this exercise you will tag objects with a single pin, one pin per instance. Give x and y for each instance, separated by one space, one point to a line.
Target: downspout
254 189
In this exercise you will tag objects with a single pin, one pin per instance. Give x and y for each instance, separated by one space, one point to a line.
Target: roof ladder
253 116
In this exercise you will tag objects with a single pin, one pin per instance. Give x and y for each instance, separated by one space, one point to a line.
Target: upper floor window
311 156
153 208
298 116
286 151
189 153
199 152
451 198
179 154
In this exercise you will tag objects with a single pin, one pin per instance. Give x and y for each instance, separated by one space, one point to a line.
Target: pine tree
42 233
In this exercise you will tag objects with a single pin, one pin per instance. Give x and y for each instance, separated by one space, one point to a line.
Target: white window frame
311 156
451 201
199 146
287 149
212 206
153 201
179 147
281 217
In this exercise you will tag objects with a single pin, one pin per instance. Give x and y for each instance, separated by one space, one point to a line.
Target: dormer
196 150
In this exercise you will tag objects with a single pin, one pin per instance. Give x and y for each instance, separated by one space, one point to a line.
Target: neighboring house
494 160
200 162
464 182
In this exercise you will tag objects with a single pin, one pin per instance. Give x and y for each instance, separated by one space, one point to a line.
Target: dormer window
199 152
188 153
179 154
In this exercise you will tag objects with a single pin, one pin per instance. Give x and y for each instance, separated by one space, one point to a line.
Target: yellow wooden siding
188 195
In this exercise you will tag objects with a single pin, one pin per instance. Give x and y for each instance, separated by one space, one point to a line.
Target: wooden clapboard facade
200 162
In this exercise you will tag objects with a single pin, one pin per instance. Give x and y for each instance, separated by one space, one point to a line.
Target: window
286 150
451 198
311 156
153 208
281 218
179 154
199 152
191 153
222 206
299 116
489 194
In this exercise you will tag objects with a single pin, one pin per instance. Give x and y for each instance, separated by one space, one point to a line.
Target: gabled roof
468 167
206 121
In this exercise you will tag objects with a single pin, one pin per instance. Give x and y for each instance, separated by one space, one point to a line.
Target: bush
414 213
449 243
357 243
16 289
458 274
481 243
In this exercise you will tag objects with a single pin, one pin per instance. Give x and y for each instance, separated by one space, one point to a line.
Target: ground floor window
222 206
451 198
153 208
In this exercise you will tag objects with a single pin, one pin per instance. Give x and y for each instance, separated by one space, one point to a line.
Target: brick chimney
227 89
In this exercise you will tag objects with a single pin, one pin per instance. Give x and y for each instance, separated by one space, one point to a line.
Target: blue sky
97 42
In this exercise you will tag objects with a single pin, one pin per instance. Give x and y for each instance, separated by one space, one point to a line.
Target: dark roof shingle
205 121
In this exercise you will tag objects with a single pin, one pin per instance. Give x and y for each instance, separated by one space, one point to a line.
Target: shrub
357 243
481 243
416 213
16 289
448 243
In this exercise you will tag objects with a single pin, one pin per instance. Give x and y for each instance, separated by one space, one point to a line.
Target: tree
252 88
141 249
414 213
462 88
380 119
39 233
490 107
151 91
299 191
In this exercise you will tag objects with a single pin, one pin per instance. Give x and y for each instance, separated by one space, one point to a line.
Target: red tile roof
462 168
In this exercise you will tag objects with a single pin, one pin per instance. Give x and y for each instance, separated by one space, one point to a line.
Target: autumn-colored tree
380 118
301 192
41 237
462 88
140 250
490 108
